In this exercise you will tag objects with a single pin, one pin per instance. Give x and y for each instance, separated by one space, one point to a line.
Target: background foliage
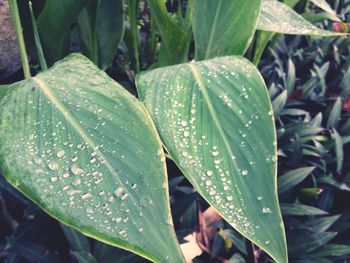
309 84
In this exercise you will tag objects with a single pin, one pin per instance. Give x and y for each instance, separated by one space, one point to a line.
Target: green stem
19 34
39 48
132 12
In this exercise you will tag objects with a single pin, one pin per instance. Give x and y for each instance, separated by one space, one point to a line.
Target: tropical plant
91 155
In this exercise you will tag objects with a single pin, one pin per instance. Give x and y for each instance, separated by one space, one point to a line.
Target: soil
9 54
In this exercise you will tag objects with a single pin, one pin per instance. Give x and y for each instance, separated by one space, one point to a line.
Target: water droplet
259 198
61 154
212 192
53 179
210 173
86 196
74 158
65 175
184 123
38 160
76 170
76 182
266 210
186 133
53 166
89 210
124 196
244 172
118 191
208 182
229 198
118 219
215 153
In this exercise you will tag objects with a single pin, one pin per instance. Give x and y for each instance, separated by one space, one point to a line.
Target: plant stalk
19 34
132 12
39 48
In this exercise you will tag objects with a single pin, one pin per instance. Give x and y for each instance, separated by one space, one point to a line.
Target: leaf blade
279 18
201 116
85 176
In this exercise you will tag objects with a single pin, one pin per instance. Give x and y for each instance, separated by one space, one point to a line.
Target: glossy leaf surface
216 121
82 148
226 28
278 17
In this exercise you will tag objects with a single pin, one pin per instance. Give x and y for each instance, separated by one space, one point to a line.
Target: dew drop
118 191
212 192
53 179
210 173
259 198
124 196
186 134
65 175
266 210
229 198
74 158
244 172
89 210
61 154
86 196
215 153
53 166
38 160
184 123
208 182
76 182
76 170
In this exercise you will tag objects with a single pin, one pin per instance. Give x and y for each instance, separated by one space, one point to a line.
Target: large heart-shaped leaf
216 121
222 27
278 17
86 151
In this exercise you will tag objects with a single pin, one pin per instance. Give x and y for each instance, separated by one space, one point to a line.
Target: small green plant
91 155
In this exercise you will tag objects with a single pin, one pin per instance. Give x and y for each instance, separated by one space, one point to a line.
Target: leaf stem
39 48
19 34
132 12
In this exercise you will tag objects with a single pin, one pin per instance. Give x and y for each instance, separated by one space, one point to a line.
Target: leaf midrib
203 89
70 119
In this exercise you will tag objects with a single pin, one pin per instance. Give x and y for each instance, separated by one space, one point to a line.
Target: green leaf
335 114
84 257
278 17
86 151
173 49
339 151
101 28
222 27
213 117
333 250
305 242
279 102
322 224
301 210
77 241
326 7
292 178
54 26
